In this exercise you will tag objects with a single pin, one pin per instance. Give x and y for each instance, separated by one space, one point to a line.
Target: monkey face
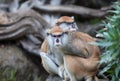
71 26
67 23
57 37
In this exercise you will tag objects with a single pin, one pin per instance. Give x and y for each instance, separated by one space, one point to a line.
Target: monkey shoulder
44 46
78 44
81 36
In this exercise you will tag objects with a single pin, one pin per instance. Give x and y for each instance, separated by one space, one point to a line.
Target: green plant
12 76
111 43
8 74
37 79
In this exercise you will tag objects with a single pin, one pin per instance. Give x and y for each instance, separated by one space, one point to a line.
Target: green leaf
117 71
111 43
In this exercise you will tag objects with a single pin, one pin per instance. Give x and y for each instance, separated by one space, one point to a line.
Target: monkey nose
57 40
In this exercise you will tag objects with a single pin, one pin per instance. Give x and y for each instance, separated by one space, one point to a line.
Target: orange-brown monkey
66 23
61 42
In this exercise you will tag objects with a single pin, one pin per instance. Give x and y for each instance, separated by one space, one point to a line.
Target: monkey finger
61 72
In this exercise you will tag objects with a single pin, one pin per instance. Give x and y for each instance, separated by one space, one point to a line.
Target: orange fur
65 19
44 46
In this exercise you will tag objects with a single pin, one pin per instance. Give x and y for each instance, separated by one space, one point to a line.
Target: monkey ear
47 32
66 32
75 25
72 17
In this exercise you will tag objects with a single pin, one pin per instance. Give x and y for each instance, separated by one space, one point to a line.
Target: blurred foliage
1 1
8 74
94 21
111 43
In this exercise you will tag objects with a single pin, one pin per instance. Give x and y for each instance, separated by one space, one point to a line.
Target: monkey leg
68 72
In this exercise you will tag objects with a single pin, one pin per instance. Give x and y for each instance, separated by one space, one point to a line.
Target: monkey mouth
58 45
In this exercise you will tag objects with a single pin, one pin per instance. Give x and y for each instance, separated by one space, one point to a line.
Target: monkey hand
61 70
62 73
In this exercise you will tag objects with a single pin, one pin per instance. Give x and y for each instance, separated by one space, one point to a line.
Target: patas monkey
77 68
48 60
67 23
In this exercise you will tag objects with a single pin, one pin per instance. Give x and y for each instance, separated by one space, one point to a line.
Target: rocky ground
15 65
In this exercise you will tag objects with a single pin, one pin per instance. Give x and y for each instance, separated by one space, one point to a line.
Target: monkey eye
70 22
56 35
53 35
48 34
66 32
59 35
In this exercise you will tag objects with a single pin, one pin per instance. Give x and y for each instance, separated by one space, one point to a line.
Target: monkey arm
44 46
77 52
78 48
49 65
78 44
47 60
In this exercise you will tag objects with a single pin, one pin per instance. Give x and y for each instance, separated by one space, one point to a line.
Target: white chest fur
58 56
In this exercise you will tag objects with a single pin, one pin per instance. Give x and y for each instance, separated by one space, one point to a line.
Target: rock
53 78
16 64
